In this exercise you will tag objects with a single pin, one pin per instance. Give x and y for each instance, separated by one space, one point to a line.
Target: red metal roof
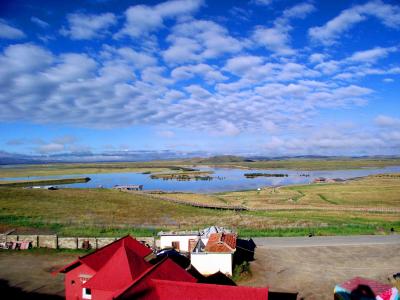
142 287
167 290
120 270
221 242
376 287
97 259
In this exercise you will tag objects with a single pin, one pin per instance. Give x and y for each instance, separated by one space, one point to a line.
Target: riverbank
43 182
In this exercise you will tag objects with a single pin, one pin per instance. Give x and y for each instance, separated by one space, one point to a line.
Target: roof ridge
113 256
106 246
139 278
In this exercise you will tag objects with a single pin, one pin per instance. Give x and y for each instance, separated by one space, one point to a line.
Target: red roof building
120 271
98 274
221 242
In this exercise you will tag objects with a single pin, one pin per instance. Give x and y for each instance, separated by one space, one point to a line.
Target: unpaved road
312 269
279 242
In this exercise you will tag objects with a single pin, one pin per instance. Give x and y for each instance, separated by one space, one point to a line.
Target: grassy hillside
108 212
369 192
311 164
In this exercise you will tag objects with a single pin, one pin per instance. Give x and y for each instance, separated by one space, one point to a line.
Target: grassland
306 164
40 182
107 212
87 168
377 191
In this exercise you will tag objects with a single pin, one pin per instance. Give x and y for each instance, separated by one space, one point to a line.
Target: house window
86 293
175 245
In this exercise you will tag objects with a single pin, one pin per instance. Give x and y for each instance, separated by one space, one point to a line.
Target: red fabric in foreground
376 287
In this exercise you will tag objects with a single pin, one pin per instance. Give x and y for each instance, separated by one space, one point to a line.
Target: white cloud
277 38
198 40
387 121
299 11
50 148
9 32
240 65
388 14
72 66
262 2
270 126
274 39
111 89
24 58
372 55
328 67
129 56
143 19
209 73
40 22
228 128
88 26
317 58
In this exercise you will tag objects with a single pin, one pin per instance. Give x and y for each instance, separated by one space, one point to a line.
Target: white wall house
178 241
209 263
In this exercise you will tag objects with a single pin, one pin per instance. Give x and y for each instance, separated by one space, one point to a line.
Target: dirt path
314 271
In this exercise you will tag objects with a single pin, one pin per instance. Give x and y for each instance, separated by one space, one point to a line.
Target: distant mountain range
148 155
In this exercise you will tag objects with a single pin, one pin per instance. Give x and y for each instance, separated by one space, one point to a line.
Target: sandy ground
312 272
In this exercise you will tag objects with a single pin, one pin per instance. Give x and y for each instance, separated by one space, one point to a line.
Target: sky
96 78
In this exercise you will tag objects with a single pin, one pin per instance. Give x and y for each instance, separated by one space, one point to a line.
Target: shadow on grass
12 292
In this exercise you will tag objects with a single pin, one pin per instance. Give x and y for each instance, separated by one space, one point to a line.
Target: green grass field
103 212
86 168
368 192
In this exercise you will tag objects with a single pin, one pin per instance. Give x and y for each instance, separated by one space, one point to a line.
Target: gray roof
206 232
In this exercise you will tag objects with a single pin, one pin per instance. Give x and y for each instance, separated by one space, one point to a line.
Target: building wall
73 282
102 295
48 241
67 242
209 263
166 241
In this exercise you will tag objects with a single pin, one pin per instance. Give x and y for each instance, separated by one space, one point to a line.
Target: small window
86 293
175 245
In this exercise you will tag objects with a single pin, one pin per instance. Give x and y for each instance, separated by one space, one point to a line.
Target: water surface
234 179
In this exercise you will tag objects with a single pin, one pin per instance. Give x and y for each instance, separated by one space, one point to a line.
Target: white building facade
208 263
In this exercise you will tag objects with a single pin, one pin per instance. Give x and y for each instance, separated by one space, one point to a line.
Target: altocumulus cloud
168 65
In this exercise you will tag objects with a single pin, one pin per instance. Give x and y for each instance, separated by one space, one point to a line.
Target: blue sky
259 77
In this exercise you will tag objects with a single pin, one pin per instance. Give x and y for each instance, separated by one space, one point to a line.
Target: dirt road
313 271
279 242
